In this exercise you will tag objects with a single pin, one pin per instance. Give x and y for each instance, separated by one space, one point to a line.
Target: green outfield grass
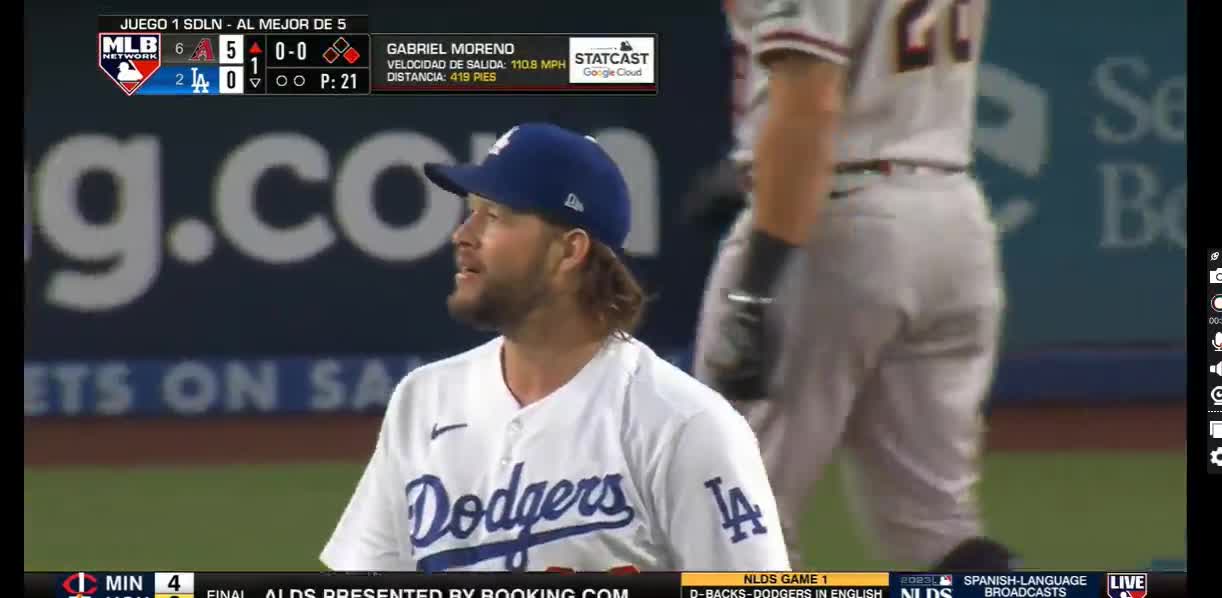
1061 510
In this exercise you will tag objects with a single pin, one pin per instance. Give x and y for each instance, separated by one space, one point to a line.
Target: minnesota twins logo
598 501
78 585
736 511
1126 585
129 59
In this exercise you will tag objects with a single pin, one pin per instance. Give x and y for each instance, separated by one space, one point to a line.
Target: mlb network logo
927 586
129 59
1126 585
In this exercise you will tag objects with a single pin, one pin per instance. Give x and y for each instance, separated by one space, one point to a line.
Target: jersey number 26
917 49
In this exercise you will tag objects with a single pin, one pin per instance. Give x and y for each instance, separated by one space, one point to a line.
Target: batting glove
738 358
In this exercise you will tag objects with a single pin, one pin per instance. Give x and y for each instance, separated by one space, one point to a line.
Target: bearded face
504 271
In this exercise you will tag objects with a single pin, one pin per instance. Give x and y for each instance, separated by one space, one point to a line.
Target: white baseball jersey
911 85
632 463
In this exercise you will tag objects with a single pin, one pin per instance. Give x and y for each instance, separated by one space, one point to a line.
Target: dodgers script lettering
586 506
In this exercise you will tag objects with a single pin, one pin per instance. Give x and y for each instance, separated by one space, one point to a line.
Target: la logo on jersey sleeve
737 513
129 59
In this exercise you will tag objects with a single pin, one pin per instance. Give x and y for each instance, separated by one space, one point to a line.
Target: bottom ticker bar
601 585
352 585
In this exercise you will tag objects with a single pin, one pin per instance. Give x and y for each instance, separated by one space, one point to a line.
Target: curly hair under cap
610 293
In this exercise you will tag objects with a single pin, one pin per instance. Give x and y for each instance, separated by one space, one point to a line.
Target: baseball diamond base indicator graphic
317 64
515 63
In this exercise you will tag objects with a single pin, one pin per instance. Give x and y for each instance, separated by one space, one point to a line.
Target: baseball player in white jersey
563 444
857 301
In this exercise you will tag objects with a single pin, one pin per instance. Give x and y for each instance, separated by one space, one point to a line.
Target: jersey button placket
511 437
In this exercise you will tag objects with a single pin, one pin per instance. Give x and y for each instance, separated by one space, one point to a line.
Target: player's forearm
792 171
794 158
792 166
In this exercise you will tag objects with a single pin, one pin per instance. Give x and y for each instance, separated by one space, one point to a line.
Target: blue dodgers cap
546 169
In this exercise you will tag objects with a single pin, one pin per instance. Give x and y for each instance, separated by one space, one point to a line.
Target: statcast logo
611 60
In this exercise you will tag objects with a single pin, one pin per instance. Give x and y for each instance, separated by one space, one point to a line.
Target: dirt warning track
306 438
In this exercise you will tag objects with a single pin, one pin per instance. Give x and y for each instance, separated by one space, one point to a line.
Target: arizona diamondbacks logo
736 511
129 59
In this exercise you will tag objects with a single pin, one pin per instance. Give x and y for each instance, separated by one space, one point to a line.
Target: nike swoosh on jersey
438 431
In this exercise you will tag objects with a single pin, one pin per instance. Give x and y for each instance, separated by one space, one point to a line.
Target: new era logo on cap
573 203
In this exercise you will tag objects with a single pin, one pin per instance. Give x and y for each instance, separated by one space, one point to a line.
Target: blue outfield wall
290 244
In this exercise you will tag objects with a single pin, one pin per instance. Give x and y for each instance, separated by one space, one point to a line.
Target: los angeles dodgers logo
599 502
737 511
502 142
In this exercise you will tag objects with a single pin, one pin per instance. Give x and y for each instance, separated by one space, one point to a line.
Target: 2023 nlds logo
927 586
1126 585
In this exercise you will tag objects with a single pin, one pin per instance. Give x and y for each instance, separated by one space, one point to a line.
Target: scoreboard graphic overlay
337 55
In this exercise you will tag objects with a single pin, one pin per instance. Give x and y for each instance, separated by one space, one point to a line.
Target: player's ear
575 244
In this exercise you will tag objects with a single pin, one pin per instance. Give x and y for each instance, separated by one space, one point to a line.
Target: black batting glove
739 357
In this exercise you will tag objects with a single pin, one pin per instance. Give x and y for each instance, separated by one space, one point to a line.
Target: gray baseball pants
887 326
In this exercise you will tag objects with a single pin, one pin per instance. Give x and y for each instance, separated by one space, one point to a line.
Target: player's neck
547 351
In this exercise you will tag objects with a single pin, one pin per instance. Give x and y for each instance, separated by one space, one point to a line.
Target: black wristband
766 257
